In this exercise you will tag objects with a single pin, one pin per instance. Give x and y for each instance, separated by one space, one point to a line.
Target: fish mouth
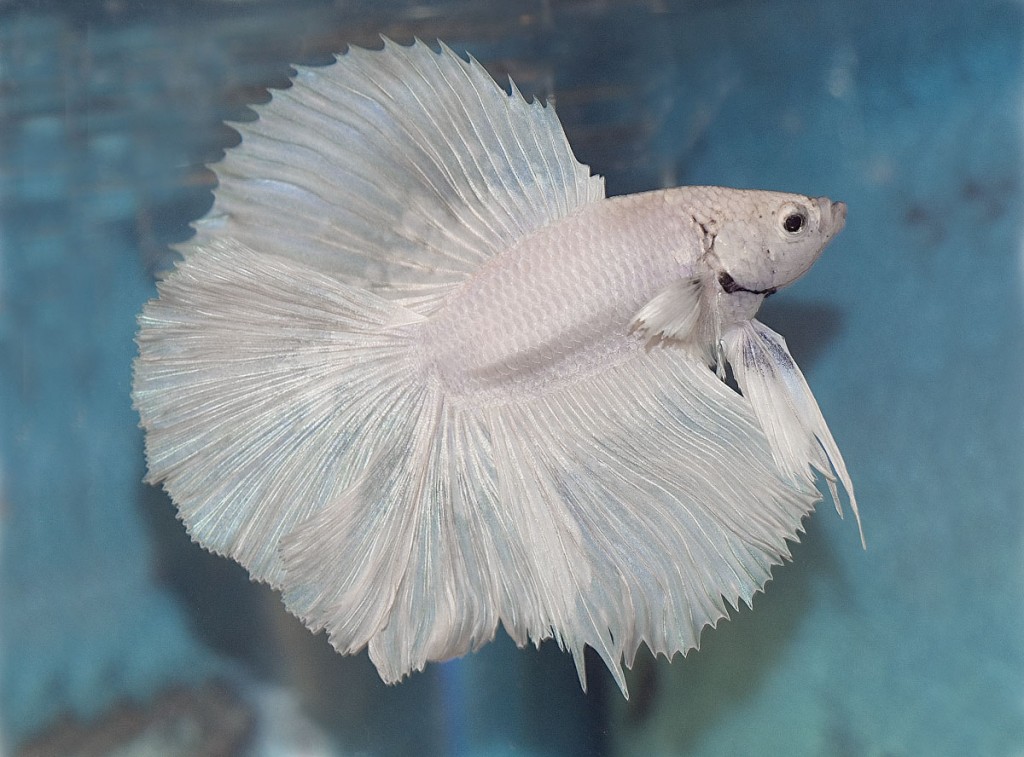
833 215
729 285
833 219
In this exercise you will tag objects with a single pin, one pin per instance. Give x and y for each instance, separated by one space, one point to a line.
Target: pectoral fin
672 314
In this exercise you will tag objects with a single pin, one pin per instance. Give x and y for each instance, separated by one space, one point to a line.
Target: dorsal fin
399 170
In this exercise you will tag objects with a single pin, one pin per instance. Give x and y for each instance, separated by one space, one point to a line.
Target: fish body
417 372
559 303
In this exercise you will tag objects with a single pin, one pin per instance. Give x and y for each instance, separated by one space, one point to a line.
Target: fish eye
793 219
793 222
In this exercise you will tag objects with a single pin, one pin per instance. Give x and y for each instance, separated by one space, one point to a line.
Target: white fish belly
556 306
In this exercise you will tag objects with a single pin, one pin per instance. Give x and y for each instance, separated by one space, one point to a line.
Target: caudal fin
273 378
264 386
407 559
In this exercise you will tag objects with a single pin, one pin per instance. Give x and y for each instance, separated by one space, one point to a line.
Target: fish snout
833 215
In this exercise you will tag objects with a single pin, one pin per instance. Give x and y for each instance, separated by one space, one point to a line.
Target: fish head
750 243
759 241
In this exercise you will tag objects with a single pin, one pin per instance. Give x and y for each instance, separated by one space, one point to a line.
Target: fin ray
401 172
252 373
630 509
670 493
786 409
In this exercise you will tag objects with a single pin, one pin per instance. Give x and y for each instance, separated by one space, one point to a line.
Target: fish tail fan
403 560
264 387
423 555
275 381
552 584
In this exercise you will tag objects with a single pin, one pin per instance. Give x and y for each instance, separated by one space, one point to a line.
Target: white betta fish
417 372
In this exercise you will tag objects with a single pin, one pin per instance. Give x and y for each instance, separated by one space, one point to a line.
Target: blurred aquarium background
120 637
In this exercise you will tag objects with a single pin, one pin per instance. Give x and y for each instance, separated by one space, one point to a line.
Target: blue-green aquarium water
119 636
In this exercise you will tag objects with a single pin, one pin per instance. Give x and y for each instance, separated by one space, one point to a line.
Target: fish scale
558 302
